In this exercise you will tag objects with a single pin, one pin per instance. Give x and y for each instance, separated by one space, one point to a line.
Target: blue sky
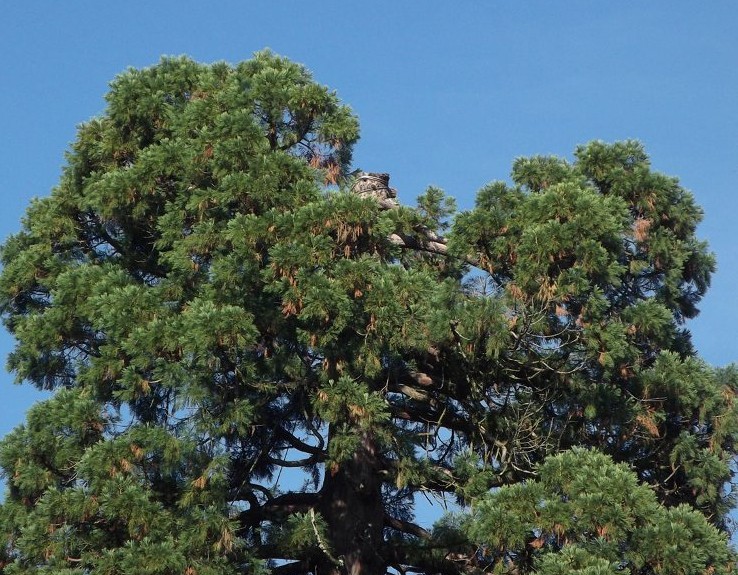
448 94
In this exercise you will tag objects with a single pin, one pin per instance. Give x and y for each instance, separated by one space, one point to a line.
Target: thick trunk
352 506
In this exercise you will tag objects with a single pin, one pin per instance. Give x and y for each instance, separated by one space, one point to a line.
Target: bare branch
294 568
413 243
406 527
299 444
287 504
312 460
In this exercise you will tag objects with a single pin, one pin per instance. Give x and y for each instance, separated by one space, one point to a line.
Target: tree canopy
258 369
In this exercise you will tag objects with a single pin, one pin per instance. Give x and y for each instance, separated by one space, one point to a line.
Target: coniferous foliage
584 514
256 369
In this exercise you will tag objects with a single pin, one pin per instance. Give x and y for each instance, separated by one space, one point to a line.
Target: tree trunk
352 506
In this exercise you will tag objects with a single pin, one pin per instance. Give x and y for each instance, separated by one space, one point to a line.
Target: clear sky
448 94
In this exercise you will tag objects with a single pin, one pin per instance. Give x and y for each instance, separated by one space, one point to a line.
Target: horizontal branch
443 418
412 393
438 478
286 504
307 462
299 444
420 561
413 243
406 527
294 568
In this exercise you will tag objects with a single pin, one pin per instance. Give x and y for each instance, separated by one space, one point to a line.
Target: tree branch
294 568
421 561
406 527
412 393
437 247
312 460
299 444
286 504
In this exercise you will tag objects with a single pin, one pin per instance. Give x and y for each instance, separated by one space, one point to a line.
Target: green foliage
586 514
256 369
134 286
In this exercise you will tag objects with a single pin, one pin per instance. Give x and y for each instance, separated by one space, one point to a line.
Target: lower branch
286 504
406 527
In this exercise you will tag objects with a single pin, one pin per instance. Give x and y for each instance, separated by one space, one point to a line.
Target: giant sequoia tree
257 368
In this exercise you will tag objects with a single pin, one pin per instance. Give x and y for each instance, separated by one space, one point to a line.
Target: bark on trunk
352 506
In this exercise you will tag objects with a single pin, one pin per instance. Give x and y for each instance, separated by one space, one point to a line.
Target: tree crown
217 303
